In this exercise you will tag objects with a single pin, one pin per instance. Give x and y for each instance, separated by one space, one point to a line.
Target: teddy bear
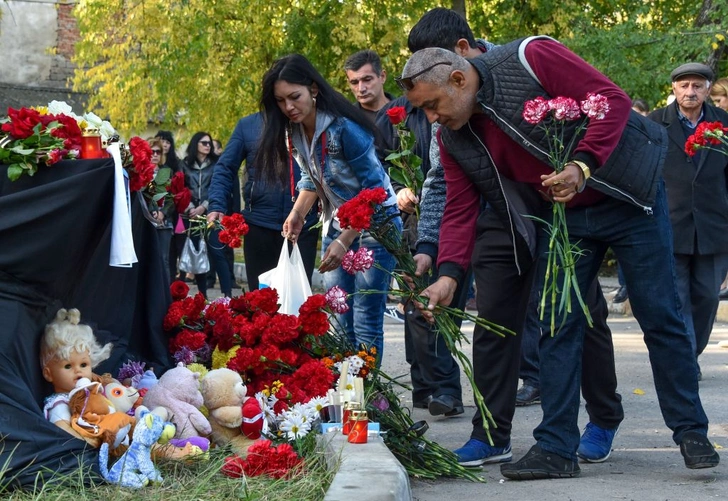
224 394
178 391
93 416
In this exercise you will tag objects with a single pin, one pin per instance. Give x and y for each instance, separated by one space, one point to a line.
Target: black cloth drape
55 234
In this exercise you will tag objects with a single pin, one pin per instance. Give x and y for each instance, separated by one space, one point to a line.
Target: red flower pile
248 335
263 459
233 229
357 212
141 168
707 134
30 138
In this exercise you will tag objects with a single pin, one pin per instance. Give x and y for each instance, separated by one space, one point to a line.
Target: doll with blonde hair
68 352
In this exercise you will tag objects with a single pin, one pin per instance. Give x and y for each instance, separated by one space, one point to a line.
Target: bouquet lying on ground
555 117
366 213
706 136
290 362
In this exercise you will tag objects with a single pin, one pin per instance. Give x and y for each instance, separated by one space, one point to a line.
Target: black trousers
262 247
504 297
433 369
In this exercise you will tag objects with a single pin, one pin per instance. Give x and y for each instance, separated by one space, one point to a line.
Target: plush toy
123 398
178 391
253 418
93 416
135 467
224 394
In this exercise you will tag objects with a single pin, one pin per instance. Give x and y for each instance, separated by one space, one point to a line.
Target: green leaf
397 175
14 172
163 176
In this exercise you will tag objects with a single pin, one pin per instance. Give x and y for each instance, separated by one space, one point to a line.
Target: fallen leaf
638 391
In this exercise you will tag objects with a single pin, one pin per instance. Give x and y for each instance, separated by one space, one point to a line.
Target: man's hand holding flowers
566 184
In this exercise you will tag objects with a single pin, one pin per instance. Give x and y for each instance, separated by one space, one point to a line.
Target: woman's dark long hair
271 160
172 160
193 148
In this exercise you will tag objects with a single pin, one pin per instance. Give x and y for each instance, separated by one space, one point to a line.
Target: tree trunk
706 17
459 7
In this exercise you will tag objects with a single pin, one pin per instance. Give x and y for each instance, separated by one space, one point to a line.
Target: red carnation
179 290
22 122
357 212
396 114
68 130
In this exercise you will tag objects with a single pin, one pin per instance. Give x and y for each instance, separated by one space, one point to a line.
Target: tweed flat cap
692 69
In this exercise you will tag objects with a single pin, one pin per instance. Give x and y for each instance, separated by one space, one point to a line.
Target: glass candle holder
359 427
91 144
346 418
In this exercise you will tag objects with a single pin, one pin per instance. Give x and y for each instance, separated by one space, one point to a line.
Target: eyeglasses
205 143
405 83
156 152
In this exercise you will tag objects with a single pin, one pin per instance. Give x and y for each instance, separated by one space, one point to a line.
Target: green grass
195 480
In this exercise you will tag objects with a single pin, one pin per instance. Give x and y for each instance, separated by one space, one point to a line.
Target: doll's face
63 373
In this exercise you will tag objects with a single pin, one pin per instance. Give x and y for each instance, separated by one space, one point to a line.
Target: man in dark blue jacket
265 209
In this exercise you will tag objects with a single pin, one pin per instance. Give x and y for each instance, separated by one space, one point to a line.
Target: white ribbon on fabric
122 253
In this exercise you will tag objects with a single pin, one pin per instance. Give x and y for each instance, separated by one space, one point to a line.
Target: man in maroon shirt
488 150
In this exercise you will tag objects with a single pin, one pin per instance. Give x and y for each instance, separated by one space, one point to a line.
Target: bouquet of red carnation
30 138
181 195
357 212
263 459
706 135
138 163
233 229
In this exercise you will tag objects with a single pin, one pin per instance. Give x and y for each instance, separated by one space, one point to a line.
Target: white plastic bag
289 279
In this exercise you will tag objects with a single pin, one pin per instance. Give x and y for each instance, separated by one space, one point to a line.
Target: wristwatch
585 169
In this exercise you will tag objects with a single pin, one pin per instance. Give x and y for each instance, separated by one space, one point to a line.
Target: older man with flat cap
697 193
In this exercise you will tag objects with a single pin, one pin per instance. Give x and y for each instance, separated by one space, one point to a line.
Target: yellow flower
220 358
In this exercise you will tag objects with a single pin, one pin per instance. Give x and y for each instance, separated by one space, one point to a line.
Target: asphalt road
645 463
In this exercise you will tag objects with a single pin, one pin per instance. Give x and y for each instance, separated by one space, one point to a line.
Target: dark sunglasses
156 152
205 143
405 83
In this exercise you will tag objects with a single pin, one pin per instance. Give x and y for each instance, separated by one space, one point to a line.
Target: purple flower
336 299
131 369
184 355
380 403
595 106
535 110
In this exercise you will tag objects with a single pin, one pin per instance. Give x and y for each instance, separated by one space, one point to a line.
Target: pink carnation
595 106
565 108
535 110
361 260
336 300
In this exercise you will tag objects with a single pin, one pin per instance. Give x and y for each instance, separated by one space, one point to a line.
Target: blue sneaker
476 453
595 445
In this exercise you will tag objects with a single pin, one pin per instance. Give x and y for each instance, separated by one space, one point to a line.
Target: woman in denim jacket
306 120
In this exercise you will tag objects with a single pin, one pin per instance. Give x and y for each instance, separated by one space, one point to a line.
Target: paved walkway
645 464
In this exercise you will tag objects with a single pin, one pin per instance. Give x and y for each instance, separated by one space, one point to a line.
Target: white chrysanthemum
294 425
355 363
61 108
317 404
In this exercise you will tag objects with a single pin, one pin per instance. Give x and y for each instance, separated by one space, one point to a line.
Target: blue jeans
364 322
643 246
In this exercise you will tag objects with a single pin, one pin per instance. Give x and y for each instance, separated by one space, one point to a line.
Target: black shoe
538 464
621 295
697 451
723 294
422 404
528 395
445 405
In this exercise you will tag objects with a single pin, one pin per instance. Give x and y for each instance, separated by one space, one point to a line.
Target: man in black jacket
697 195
